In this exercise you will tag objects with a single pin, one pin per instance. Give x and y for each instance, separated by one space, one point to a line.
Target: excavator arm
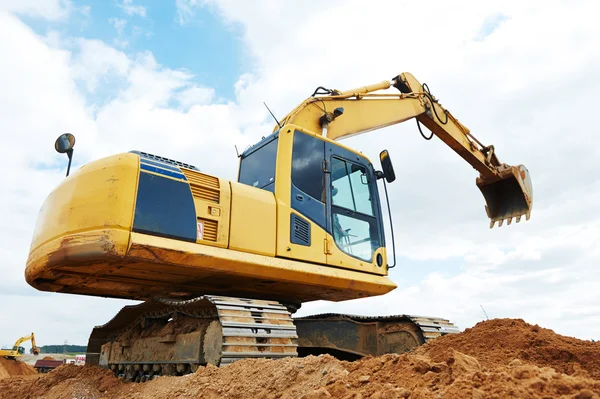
340 114
34 349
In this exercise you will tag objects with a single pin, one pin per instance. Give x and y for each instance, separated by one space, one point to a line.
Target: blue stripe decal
161 164
165 208
164 172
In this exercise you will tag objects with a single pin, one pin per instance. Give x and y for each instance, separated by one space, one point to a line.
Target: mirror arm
70 155
391 226
379 175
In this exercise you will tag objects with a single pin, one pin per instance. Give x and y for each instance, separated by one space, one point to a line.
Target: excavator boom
340 114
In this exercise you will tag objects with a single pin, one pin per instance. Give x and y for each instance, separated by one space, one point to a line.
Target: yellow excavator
17 350
223 265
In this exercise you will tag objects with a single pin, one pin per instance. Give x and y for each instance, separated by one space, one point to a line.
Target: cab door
303 222
353 212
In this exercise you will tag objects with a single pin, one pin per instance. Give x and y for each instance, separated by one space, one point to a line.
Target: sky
186 79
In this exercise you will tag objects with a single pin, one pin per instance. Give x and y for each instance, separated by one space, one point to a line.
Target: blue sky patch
204 46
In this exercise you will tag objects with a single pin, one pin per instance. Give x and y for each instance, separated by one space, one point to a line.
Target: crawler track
165 337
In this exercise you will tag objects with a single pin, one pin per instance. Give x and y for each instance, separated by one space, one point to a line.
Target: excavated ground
501 358
10 368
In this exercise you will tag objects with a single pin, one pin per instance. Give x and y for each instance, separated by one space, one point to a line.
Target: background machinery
17 350
222 265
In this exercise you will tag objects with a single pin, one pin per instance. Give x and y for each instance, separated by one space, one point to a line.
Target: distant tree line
62 348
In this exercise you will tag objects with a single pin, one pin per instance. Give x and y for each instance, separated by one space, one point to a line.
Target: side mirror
64 145
386 165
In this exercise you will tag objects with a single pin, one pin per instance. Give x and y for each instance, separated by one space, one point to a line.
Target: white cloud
119 24
96 62
186 10
527 88
130 9
46 9
196 96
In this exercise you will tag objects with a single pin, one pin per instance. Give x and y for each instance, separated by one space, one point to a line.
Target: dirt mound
390 376
47 358
494 359
499 341
9 368
65 381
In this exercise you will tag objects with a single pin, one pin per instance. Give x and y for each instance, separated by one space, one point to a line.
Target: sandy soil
502 358
11 368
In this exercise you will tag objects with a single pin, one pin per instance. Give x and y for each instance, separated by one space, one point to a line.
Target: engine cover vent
165 160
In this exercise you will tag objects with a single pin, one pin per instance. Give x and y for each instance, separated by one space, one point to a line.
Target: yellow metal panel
86 220
313 253
253 215
92 263
100 195
212 203
306 281
283 188
84 253
361 116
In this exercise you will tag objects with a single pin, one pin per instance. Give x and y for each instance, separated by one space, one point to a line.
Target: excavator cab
328 208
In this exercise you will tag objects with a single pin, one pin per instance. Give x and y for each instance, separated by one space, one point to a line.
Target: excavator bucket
509 197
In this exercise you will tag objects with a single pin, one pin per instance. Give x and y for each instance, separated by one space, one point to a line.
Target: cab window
355 229
257 167
307 165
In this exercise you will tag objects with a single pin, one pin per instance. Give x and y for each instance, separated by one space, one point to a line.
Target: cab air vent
300 231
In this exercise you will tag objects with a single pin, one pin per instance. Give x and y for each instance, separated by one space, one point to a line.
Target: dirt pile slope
499 341
494 359
10 368
68 381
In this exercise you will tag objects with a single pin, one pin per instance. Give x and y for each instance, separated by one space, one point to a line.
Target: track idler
510 196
